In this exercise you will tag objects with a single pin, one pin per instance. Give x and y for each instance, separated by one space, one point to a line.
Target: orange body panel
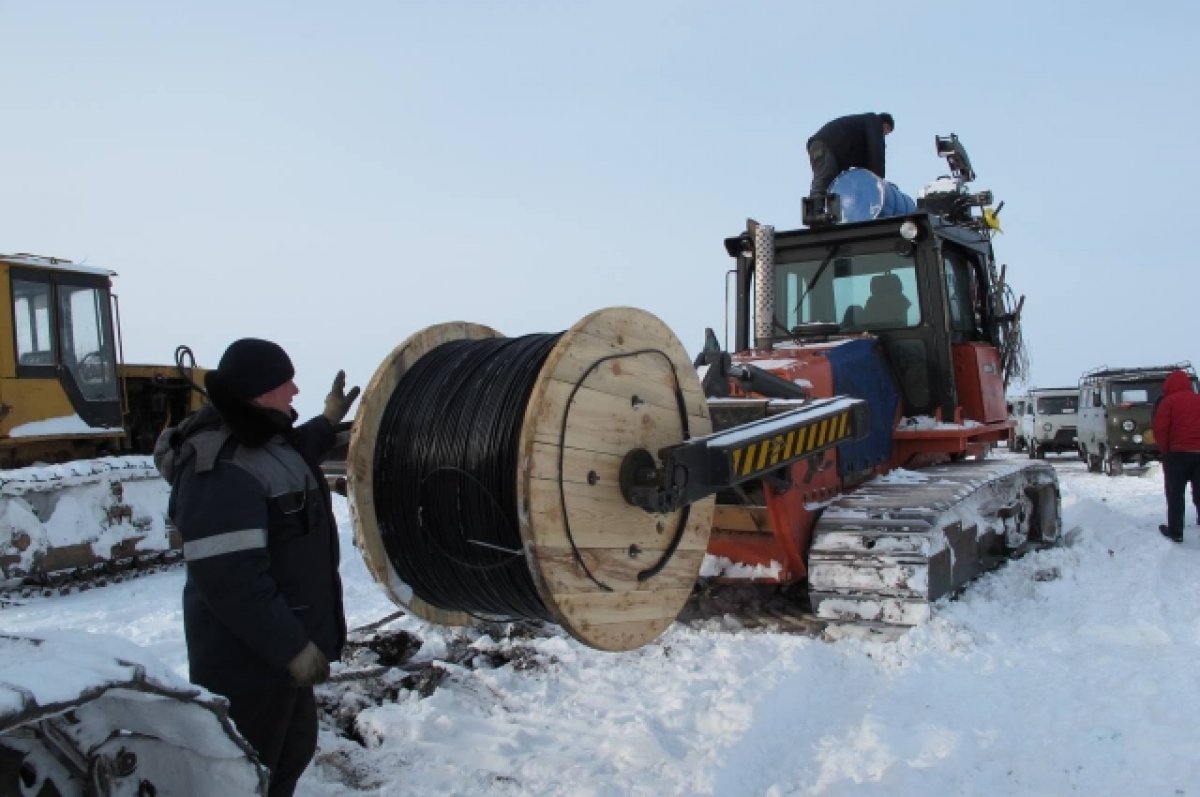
980 382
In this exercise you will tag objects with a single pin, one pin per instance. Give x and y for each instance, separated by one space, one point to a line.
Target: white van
1050 420
1016 414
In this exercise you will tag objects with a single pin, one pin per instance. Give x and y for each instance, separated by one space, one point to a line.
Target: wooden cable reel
607 387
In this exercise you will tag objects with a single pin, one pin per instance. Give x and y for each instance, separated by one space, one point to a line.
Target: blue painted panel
859 370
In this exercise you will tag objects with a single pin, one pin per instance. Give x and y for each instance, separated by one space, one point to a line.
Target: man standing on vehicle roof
848 142
1176 426
262 605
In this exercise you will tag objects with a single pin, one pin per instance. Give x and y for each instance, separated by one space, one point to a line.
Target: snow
67 424
1070 670
59 505
38 261
922 423
942 185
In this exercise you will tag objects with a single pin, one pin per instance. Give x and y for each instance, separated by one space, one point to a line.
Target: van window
1057 405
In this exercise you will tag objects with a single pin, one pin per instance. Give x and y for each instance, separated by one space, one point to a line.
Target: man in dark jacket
1176 426
848 142
262 605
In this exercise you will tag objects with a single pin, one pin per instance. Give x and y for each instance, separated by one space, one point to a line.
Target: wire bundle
445 475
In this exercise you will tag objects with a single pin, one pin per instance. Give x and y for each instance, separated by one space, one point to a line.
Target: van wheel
1094 465
1082 453
1112 463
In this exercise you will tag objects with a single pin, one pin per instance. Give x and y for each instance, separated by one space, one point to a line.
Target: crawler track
886 551
101 574
882 554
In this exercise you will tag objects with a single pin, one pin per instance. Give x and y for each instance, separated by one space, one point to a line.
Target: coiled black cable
445 475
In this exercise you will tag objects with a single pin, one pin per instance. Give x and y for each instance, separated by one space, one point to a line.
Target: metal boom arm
700 467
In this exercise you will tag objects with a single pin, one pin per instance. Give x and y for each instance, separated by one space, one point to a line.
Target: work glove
309 666
338 402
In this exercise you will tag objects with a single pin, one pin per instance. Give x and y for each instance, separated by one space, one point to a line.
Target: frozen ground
1071 671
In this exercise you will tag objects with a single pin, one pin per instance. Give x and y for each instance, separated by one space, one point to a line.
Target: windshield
858 292
1136 392
1057 405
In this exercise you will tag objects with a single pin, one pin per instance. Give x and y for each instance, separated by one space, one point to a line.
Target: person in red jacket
1176 426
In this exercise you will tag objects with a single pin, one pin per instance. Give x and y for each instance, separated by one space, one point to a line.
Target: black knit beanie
251 367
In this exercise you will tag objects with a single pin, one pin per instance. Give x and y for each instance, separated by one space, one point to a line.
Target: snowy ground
1071 671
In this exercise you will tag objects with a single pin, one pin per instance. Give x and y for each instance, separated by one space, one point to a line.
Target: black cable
445 476
185 363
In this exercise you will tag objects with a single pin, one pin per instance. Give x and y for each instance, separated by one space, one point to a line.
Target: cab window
31 314
86 340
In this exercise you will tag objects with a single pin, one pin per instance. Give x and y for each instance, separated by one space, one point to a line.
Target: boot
1167 533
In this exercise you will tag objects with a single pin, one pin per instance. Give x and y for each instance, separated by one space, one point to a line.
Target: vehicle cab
1116 406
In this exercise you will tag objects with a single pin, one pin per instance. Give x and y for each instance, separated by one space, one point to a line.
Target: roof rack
1105 370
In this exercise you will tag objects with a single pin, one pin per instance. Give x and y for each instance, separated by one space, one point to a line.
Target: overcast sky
337 177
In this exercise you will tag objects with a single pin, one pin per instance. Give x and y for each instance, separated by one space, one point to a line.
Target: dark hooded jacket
259 539
1176 422
855 141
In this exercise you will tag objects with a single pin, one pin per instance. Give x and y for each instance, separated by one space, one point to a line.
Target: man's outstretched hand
338 402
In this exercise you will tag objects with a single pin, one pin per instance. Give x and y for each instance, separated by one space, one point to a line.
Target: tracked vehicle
839 450
911 315
77 489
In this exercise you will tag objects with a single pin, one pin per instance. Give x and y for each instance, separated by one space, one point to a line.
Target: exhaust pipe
764 284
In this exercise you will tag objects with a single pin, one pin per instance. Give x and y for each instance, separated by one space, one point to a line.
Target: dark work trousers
824 166
281 724
1180 468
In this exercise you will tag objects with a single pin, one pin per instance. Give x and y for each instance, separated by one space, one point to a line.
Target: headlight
1128 425
1049 427
1137 438
909 231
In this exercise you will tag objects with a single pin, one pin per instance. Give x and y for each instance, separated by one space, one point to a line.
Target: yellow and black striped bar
758 448
768 454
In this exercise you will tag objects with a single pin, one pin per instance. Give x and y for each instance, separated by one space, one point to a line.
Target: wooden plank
614 567
650 374
623 635
600 518
594 609
577 464
755 519
607 424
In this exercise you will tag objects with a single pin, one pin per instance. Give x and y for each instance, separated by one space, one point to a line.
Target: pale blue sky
339 176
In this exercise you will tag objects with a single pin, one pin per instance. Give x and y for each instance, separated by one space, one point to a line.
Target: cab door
64 355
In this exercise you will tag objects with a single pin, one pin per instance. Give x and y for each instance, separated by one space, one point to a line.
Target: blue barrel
864 196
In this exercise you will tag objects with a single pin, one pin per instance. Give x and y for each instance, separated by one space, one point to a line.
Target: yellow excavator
77 424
